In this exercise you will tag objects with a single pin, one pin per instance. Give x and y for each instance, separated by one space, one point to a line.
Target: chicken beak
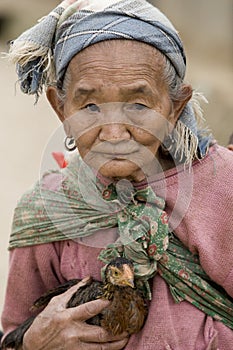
128 276
130 282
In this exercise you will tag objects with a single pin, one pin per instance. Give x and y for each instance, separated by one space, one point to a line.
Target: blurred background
206 30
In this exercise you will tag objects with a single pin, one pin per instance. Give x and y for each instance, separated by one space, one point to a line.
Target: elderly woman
146 183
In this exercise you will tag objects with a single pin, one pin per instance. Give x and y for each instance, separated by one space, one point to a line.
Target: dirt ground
25 130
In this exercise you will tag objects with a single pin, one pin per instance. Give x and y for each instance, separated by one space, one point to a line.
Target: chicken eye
91 107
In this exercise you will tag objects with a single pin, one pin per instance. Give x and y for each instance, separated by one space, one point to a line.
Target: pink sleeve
32 271
207 228
228 283
215 237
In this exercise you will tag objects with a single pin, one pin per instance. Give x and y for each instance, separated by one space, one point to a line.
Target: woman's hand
59 328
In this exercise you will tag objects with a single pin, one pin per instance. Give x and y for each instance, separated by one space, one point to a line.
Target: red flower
164 218
184 274
152 250
106 194
164 259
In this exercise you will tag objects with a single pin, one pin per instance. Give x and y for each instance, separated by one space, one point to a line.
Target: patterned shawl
83 204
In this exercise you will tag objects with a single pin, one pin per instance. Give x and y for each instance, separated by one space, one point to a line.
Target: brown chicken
127 311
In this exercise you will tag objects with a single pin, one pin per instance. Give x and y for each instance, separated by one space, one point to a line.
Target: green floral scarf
83 204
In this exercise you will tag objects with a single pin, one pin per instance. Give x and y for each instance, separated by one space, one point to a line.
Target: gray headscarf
42 53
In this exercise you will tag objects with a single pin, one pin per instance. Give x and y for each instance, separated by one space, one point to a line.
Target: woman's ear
55 102
178 105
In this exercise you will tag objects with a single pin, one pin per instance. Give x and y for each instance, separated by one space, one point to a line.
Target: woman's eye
91 107
139 106
136 107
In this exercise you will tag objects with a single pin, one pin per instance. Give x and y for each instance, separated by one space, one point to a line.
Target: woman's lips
116 156
116 150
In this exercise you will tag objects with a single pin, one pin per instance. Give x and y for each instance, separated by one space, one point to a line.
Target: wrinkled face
118 108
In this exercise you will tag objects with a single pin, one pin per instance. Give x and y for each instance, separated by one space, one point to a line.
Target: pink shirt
200 207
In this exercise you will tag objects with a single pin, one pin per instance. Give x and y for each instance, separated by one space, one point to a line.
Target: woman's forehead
118 60
118 51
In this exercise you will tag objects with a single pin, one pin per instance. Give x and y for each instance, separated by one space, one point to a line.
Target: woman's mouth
121 149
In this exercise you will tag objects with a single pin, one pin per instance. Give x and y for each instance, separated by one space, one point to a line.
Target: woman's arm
32 272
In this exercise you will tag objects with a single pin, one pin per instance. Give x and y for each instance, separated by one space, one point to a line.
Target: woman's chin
122 169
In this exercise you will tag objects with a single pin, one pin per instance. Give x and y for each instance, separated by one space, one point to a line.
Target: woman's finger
96 334
63 298
116 345
85 311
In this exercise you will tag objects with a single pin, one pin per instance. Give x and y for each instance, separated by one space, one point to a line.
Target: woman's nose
114 132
